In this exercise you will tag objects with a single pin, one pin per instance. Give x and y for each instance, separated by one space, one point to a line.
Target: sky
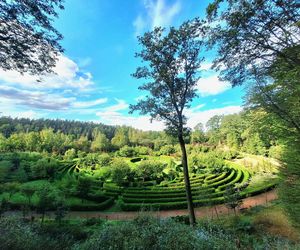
93 79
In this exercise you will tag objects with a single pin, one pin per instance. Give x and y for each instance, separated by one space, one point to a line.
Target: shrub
150 169
144 233
15 234
120 172
140 150
92 207
127 151
104 160
167 150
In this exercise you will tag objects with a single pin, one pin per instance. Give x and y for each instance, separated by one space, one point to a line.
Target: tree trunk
187 181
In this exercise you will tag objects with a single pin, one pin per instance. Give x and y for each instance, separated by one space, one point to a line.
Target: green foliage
167 150
28 190
100 143
83 186
149 170
34 34
146 233
120 172
127 151
121 138
70 154
276 151
290 188
232 197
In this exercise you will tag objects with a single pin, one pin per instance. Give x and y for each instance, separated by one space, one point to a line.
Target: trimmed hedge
92 207
169 205
169 199
206 190
223 181
217 178
237 178
166 195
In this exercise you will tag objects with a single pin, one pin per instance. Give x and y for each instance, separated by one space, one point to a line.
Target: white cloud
141 122
206 66
139 25
25 114
67 75
194 117
121 105
112 115
158 13
35 99
198 107
88 104
211 86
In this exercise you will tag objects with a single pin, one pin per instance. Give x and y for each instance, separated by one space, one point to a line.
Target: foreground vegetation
234 232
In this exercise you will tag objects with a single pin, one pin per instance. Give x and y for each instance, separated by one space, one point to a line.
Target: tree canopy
251 35
28 40
173 61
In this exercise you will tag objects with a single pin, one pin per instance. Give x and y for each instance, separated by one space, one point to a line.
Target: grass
271 220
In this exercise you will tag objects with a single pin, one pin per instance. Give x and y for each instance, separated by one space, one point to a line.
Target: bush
144 233
104 160
15 234
167 150
92 207
142 150
120 172
150 170
127 151
276 152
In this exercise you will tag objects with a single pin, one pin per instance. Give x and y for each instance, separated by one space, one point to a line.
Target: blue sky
93 81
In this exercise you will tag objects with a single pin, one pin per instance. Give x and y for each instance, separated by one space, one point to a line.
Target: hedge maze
207 189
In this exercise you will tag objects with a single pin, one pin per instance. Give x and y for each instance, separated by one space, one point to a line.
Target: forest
231 183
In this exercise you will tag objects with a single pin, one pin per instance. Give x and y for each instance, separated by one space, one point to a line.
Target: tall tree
249 35
173 62
28 40
198 135
100 143
121 137
258 42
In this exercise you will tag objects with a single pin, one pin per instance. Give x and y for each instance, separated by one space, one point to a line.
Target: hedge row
238 177
92 207
164 191
209 177
73 207
217 178
223 181
166 195
169 205
259 190
168 199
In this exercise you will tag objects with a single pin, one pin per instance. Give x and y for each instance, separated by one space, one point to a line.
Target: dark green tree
250 35
120 172
28 40
173 62
232 198
28 191
83 187
198 135
46 198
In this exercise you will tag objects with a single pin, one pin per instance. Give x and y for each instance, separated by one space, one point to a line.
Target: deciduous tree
172 71
28 40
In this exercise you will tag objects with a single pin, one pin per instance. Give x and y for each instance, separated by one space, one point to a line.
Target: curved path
214 211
